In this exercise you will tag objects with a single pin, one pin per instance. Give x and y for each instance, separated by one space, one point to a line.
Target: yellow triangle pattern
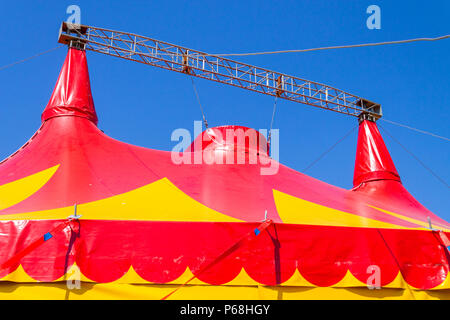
158 201
298 211
14 192
415 221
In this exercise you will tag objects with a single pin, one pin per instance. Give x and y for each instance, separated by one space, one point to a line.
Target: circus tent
150 227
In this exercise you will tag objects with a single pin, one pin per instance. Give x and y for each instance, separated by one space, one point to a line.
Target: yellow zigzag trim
112 291
242 279
18 275
72 273
297 280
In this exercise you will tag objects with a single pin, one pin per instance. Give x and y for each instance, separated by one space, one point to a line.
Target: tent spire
72 94
373 161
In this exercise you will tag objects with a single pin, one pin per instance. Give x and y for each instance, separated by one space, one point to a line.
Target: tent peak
72 94
230 138
373 161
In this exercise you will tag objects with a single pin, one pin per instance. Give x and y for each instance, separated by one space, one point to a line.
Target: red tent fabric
142 210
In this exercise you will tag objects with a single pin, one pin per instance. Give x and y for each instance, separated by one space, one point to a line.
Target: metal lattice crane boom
196 63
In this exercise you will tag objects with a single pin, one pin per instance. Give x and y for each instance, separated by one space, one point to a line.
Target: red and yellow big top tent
149 225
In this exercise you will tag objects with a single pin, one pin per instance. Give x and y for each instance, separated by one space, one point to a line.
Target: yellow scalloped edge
187 274
444 285
297 280
18 275
398 282
72 272
242 279
115 291
131 276
349 280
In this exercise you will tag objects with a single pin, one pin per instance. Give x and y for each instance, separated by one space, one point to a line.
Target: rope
334 47
271 122
415 129
199 103
29 58
417 159
398 264
329 149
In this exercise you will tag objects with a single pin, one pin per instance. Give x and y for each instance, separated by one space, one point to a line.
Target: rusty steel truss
212 67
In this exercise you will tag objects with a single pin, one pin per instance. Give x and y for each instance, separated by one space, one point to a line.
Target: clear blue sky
143 105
